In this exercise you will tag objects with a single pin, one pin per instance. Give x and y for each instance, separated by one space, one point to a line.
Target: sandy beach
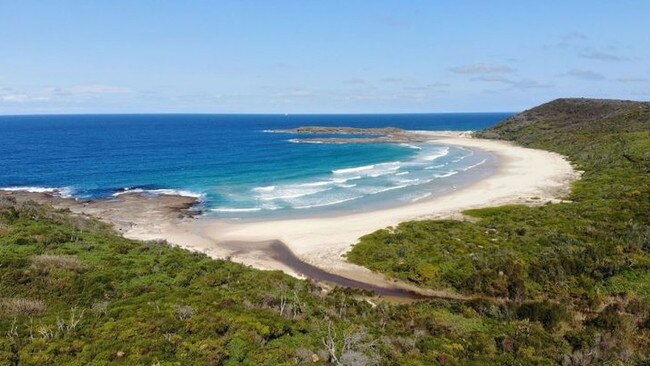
522 176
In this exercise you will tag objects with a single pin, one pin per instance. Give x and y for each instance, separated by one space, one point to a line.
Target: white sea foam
354 170
289 192
428 194
316 184
299 141
330 203
64 192
344 180
474 166
264 189
439 154
408 180
233 209
411 146
471 153
445 175
377 190
435 166
353 183
176 192
372 171
393 165
379 174
158 192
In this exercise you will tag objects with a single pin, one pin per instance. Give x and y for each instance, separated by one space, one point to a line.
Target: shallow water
237 169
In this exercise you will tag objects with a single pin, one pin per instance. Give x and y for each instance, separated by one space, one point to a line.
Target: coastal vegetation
587 258
72 292
563 283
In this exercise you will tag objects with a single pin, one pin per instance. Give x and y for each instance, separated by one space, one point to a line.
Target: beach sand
523 176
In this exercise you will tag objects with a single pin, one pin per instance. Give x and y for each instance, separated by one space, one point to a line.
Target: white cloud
431 86
74 93
355 81
391 80
600 55
482 69
585 75
517 84
14 97
632 79
99 89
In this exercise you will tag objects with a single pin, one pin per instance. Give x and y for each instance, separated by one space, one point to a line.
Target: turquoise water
232 164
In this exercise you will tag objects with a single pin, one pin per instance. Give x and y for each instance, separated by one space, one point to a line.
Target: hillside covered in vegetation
589 256
565 284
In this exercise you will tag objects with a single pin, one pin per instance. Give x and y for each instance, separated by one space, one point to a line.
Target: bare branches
352 348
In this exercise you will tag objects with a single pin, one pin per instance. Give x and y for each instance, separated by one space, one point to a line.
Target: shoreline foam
521 174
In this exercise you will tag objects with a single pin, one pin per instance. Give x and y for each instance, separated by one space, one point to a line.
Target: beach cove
317 245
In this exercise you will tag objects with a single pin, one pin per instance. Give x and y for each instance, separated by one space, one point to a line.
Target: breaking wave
65 192
159 192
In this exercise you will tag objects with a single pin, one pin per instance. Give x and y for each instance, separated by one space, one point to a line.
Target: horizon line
242 113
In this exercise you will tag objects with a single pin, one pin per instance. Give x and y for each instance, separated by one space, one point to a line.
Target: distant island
545 261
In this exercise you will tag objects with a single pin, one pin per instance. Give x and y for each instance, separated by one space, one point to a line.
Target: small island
366 135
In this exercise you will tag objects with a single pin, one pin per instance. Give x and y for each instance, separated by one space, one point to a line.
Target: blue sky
349 56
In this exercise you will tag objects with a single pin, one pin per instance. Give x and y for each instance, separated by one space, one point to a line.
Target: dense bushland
557 284
74 293
588 253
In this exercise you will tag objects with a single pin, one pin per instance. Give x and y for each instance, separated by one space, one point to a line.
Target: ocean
233 163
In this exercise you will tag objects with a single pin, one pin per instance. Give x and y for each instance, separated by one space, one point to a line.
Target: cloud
631 79
585 75
437 85
296 93
12 95
491 78
381 97
517 84
482 69
74 93
569 40
99 89
87 90
600 55
391 80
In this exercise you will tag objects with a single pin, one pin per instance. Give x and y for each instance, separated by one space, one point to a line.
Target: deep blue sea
232 162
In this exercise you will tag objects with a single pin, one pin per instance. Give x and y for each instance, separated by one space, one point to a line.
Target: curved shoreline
315 246
523 176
